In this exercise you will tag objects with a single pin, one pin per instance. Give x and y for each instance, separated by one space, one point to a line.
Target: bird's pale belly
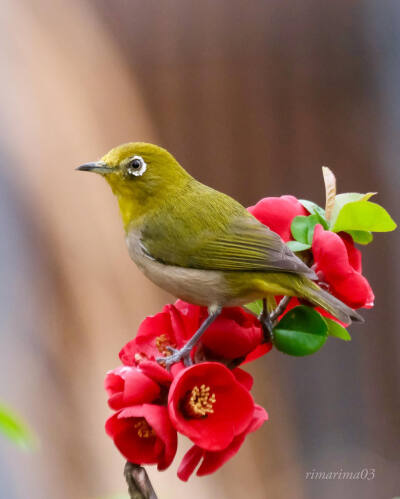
202 287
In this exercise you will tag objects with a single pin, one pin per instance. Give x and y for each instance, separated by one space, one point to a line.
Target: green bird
200 244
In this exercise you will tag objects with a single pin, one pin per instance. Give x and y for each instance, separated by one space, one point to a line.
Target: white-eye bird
200 244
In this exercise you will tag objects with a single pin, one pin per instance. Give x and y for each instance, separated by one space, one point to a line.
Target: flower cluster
333 256
209 402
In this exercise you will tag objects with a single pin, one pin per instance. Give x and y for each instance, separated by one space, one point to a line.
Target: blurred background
252 98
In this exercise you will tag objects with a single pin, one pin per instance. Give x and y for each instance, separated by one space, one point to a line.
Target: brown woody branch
139 485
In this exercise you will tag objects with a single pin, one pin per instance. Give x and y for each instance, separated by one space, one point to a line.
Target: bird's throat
131 209
133 200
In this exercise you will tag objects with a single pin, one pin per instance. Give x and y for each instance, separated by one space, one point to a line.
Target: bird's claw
176 356
266 325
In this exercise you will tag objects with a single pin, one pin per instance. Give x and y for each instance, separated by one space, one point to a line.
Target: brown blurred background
252 97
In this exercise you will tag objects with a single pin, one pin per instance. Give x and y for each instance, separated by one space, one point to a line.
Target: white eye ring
136 166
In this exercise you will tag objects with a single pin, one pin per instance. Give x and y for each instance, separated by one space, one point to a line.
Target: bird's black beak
96 166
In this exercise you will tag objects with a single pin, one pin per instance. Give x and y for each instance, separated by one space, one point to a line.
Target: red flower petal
278 213
235 333
260 415
189 462
156 372
353 253
244 378
155 333
128 386
179 326
214 460
190 315
332 264
258 352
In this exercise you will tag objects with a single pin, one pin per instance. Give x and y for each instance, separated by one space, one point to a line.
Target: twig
139 485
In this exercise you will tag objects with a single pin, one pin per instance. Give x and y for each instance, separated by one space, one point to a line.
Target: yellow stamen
199 402
144 430
162 342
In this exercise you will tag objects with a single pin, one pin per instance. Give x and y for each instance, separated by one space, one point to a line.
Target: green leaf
255 306
336 330
302 331
343 199
302 228
15 429
364 216
297 246
361 236
299 229
314 209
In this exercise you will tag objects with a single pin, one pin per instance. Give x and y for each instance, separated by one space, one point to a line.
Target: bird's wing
217 236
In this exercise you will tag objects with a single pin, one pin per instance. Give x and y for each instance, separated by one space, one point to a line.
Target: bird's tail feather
322 298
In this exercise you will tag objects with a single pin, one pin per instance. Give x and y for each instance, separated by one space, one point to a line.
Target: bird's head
138 169
141 175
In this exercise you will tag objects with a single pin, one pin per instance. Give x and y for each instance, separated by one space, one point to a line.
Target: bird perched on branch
200 244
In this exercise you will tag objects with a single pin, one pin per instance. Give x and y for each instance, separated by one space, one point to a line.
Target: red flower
155 334
129 386
338 265
234 334
209 405
144 435
278 213
212 460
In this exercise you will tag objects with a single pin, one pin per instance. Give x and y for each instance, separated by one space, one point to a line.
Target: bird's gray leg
266 322
279 309
184 352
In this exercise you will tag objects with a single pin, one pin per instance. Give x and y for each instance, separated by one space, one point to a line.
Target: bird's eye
136 166
136 163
